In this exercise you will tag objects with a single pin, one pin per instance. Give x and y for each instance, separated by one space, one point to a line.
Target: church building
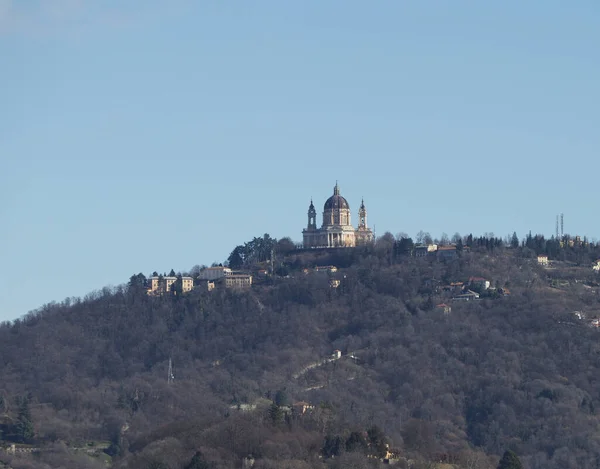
337 229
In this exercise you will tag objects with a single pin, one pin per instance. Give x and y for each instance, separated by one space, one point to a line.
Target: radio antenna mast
170 375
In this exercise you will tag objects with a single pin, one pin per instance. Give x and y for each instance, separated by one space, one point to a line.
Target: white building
214 273
337 229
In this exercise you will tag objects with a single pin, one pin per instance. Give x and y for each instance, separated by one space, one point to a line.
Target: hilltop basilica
337 229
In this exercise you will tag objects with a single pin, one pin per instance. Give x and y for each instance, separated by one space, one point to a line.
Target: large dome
336 201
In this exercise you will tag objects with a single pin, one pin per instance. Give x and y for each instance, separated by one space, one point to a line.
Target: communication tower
170 375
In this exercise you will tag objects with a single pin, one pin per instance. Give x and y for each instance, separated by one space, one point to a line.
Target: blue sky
139 136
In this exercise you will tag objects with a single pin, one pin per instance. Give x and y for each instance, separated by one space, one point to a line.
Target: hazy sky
149 135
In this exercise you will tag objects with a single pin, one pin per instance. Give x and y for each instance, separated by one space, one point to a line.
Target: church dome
336 201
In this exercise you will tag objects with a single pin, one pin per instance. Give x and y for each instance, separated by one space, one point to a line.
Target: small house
467 296
300 408
447 252
542 259
479 282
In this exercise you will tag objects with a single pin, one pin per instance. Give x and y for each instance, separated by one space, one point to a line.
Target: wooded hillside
516 372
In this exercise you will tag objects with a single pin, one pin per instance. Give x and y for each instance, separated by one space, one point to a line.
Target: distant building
161 285
326 268
479 282
444 308
420 250
205 285
237 280
453 288
391 455
336 354
336 229
596 266
300 408
248 462
214 273
334 283
187 284
542 259
447 252
467 296
579 315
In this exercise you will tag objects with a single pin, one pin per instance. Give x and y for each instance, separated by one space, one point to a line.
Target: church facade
337 229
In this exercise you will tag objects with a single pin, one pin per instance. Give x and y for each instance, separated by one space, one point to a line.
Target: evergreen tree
158 465
281 398
177 286
137 282
510 461
514 241
275 413
377 441
198 462
332 446
356 442
23 428
237 257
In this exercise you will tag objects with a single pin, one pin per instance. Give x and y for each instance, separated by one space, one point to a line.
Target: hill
458 385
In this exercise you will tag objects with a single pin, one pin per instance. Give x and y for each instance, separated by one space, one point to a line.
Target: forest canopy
254 378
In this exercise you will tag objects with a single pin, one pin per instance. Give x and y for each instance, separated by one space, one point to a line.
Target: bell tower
362 216
312 217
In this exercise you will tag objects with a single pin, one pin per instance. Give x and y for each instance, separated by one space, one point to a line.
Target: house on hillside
159 285
237 280
579 315
467 296
214 273
479 282
248 462
300 408
330 269
447 252
542 259
392 455
420 251
444 308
